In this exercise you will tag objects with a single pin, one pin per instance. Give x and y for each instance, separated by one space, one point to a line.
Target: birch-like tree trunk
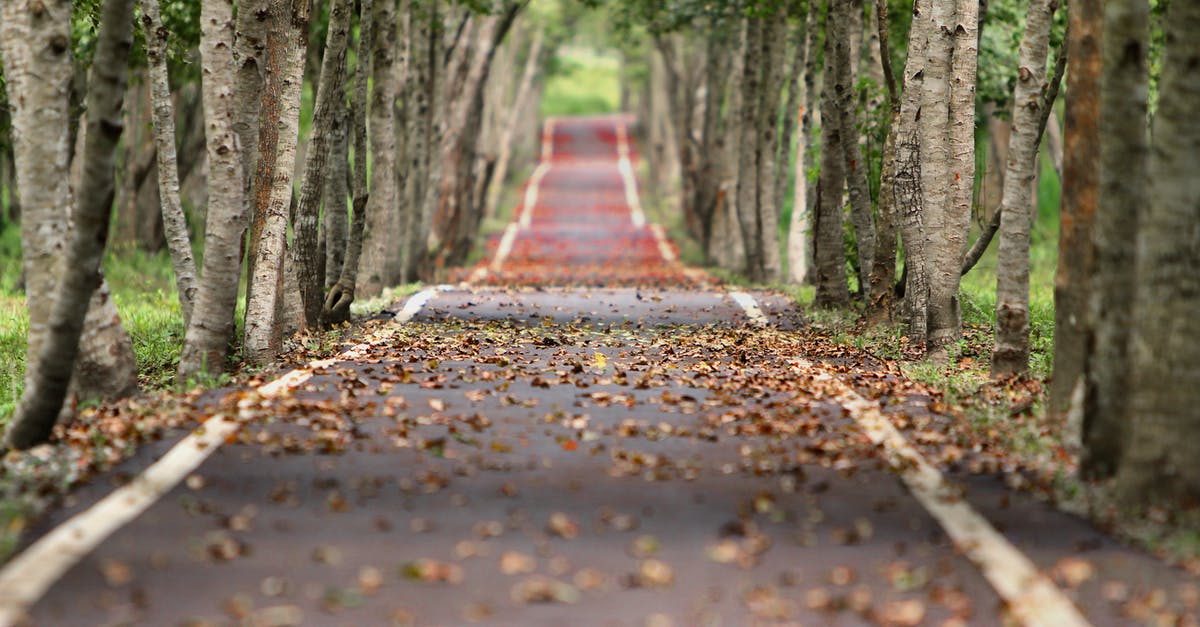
1081 137
832 288
382 224
774 59
1160 466
279 128
882 294
174 221
206 344
419 129
1124 189
336 189
330 103
908 191
38 70
747 154
46 389
854 166
1011 353
341 295
791 141
250 41
800 234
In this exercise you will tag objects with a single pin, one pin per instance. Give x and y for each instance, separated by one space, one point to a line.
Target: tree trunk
46 389
854 167
38 67
883 275
1011 353
791 142
174 220
1123 190
747 155
279 127
341 295
532 63
419 130
1160 467
907 191
250 43
382 225
832 289
336 189
1081 137
330 103
206 345
774 59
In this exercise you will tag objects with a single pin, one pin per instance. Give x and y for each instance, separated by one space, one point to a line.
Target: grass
583 82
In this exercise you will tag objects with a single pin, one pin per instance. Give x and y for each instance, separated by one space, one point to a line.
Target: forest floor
583 431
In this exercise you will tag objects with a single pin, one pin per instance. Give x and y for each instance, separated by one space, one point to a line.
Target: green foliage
584 83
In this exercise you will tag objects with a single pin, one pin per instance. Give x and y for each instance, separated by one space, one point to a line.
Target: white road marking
531 193
548 139
26 578
625 167
664 246
1031 597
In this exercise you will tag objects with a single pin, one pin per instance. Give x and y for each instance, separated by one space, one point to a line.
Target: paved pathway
656 451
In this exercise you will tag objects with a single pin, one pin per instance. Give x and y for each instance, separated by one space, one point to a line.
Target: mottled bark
341 295
854 166
206 344
1011 353
419 131
747 155
330 103
1124 190
1160 466
49 377
907 192
250 41
1081 139
279 128
38 66
832 288
774 55
883 274
336 189
175 222
382 218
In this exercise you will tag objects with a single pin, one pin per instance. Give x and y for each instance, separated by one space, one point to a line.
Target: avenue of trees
863 115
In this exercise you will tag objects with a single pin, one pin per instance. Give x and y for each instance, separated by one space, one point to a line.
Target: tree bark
1081 137
419 131
1011 353
50 379
382 225
795 118
1160 467
279 127
330 102
175 222
832 289
908 192
1123 190
747 155
883 275
38 66
336 189
206 344
854 166
341 295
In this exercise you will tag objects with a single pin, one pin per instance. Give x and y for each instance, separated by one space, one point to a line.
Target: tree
832 288
49 377
210 331
38 66
382 215
1159 467
1011 354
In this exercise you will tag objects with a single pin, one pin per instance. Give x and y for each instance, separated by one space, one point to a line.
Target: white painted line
625 167
503 250
531 193
28 576
548 139
1032 598
415 302
750 306
664 246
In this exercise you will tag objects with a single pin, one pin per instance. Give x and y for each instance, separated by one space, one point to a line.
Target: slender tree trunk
420 90
178 240
1011 354
855 167
341 295
1081 137
382 228
1160 467
883 275
250 41
524 88
747 155
38 67
1123 190
330 102
794 119
336 190
908 189
774 57
832 289
279 128
47 388
206 345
